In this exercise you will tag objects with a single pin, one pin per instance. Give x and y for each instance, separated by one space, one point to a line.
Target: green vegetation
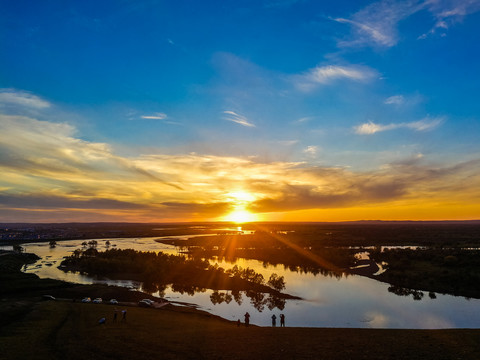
287 249
20 291
14 282
159 270
32 329
443 266
450 271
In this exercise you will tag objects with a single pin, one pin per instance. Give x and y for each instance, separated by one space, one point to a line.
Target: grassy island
159 270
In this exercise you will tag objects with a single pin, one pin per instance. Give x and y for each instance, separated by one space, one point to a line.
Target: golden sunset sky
157 111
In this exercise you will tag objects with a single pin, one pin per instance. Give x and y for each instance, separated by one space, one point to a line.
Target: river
345 301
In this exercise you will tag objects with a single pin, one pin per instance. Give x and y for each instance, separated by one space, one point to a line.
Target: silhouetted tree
276 282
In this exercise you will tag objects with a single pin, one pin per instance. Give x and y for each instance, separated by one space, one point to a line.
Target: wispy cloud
237 118
376 33
323 75
156 116
404 100
426 124
304 119
22 98
327 188
448 13
377 24
395 100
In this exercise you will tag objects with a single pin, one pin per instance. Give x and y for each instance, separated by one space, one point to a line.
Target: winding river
345 301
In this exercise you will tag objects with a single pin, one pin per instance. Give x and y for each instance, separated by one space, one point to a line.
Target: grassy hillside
40 330
67 330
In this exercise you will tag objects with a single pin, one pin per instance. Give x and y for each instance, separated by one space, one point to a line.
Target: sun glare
240 216
239 201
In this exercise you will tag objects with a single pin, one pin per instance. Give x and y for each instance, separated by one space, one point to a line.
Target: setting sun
239 201
241 216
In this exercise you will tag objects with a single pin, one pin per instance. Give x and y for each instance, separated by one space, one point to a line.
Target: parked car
48 297
86 300
97 301
113 302
145 303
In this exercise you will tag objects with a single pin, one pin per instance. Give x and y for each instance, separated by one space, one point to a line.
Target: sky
267 110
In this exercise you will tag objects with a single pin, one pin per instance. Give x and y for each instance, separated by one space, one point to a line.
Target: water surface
328 301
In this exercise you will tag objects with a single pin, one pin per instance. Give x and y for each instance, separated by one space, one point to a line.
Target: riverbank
68 329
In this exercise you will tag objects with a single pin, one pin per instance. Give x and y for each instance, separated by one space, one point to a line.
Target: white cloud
395 100
311 150
304 119
378 33
425 124
377 24
22 98
237 118
322 75
404 100
421 125
156 116
448 13
372 128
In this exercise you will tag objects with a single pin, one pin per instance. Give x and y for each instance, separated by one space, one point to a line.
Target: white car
97 301
113 302
86 300
146 302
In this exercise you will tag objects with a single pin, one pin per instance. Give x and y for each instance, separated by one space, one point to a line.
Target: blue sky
324 108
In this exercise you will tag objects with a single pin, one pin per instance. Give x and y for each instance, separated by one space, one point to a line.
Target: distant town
12 233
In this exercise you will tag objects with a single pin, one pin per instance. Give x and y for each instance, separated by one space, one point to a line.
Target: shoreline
71 331
59 330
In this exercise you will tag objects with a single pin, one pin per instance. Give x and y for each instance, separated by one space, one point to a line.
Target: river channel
328 301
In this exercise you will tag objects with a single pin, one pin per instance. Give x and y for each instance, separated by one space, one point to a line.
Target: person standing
274 320
247 319
282 320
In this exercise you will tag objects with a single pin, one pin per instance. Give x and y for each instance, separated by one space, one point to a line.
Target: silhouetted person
247 319
282 320
115 313
238 322
274 320
124 315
